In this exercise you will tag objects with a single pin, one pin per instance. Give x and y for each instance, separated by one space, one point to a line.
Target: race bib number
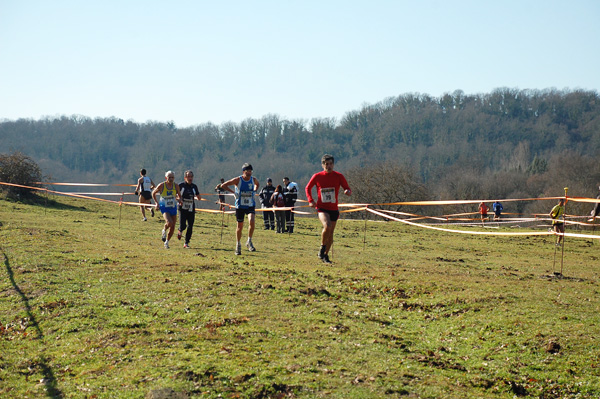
169 201
246 198
188 204
328 195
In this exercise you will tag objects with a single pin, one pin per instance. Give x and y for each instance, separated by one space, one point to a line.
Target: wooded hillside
507 143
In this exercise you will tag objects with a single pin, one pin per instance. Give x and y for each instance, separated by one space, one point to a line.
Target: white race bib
246 198
188 204
169 201
328 195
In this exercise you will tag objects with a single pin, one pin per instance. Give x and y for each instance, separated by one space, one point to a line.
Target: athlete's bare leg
170 221
328 229
143 208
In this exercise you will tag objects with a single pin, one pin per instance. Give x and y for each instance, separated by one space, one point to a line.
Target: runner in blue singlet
245 187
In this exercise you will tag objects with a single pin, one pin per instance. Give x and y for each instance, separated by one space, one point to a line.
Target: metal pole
564 231
120 206
365 237
222 219
554 263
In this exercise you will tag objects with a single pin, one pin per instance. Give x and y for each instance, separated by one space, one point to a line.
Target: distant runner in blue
497 208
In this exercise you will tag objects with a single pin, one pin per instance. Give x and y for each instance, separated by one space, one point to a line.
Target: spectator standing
278 200
290 190
265 199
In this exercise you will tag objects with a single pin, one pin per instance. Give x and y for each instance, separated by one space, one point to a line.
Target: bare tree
385 183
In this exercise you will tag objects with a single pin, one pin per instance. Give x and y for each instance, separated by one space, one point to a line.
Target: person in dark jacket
290 190
265 199
278 201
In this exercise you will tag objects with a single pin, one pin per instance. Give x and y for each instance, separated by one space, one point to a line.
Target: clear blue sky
192 62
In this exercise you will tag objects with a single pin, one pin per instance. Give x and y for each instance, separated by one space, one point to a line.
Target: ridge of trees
502 144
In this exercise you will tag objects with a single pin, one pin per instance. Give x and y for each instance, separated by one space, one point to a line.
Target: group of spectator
283 196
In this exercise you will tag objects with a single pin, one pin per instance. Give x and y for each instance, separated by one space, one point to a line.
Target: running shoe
238 249
164 236
186 246
167 244
179 234
250 246
321 253
325 259
144 219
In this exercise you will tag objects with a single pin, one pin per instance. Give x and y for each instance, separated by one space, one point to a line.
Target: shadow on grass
43 201
49 380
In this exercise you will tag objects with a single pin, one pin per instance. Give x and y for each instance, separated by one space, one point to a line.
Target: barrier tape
86 184
436 202
541 233
105 194
58 192
356 207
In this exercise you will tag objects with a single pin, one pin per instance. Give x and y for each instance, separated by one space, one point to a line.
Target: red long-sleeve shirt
328 187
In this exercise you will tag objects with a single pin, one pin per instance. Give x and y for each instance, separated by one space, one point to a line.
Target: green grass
89 309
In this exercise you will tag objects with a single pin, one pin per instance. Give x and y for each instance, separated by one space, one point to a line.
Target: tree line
505 144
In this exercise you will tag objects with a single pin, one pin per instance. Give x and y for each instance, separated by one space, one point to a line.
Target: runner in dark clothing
187 210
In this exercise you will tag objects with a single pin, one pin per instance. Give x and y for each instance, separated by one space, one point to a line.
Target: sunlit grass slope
93 306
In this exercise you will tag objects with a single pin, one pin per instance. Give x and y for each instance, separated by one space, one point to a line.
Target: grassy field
93 309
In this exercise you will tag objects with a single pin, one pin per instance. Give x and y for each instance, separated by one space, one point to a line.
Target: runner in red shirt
483 210
328 183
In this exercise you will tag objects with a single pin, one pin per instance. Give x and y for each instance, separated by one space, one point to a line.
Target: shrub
18 168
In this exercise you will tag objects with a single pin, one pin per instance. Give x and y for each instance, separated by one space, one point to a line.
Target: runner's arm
231 182
155 192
